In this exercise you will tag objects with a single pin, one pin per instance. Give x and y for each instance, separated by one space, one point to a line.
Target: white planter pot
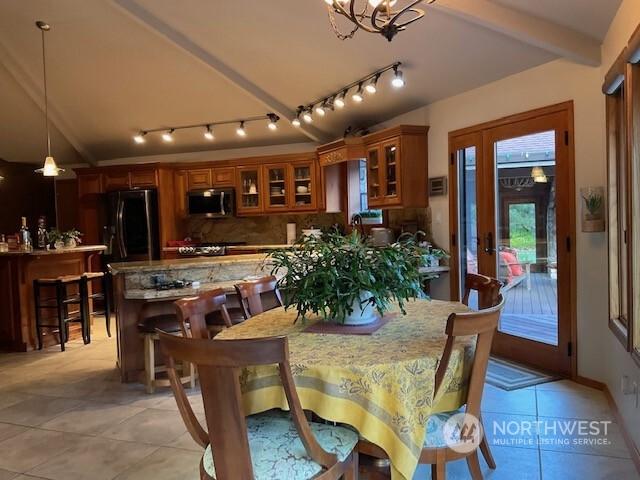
362 315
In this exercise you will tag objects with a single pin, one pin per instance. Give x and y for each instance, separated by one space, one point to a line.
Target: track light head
357 96
308 115
339 100
372 87
273 121
320 109
240 131
208 134
139 138
168 136
398 77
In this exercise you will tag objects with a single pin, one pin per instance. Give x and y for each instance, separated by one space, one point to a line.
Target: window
622 87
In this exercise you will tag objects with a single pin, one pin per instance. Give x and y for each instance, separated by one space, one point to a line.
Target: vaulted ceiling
120 66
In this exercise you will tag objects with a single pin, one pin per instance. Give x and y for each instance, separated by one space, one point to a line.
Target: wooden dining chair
251 295
436 452
217 317
488 290
265 446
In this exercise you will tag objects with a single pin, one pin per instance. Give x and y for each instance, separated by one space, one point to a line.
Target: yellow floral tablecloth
380 384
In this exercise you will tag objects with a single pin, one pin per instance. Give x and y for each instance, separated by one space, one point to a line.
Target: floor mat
513 376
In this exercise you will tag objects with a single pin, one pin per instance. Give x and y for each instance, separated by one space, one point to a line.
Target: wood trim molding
616 74
633 49
518 117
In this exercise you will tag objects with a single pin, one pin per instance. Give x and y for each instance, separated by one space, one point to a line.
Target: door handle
121 243
489 245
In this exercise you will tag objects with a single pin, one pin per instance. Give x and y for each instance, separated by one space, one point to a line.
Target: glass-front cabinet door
276 187
303 191
249 189
391 160
375 174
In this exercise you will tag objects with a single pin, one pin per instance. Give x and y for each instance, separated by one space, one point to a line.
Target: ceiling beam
33 89
180 40
535 31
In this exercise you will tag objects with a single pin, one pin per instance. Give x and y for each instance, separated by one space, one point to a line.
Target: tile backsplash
269 229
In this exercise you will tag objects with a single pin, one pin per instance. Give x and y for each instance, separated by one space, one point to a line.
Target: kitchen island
18 270
158 282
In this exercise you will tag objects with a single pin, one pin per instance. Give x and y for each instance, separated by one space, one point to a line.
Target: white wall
600 355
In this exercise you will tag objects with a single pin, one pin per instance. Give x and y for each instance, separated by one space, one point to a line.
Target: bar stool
61 302
103 297
149 322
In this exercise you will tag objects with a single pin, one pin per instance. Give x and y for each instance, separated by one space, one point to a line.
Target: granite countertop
176 294
239 248
184 263
39 253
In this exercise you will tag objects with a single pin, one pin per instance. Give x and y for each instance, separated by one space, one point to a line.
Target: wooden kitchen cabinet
116 180
249 187
223 177
181 187
89 184
199 179
277 187
397 167
143 178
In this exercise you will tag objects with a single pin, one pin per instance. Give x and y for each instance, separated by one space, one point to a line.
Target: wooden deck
532 314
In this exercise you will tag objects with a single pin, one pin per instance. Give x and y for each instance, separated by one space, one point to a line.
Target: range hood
341 151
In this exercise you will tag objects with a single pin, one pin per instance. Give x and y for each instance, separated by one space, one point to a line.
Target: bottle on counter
4 246
41 233
25 236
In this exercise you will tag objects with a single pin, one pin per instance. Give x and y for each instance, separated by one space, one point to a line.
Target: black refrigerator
132 232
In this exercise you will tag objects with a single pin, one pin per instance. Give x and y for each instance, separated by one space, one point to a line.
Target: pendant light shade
50 168
538 175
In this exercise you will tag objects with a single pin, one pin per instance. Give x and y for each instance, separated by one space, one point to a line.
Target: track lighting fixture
168 136
208 134
139 138
357 96
398 77
338 100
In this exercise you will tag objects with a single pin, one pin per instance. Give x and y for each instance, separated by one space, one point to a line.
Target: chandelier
387 17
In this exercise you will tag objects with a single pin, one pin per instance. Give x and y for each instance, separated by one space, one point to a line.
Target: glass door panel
374 174
250 189
467 217
391 169
303 185
276 188
526 252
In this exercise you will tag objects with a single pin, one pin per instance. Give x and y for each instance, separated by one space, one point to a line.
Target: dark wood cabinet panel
89 184
143 178
200 178
223 177
116 181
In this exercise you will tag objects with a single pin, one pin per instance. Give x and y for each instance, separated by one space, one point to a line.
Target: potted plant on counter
72 238
55 239
345 280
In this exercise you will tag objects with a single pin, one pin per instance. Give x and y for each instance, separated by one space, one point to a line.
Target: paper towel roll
291 233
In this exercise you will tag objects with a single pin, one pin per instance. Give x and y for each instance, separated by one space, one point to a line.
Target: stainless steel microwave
211 203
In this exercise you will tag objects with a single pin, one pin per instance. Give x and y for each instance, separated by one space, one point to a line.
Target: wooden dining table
381 384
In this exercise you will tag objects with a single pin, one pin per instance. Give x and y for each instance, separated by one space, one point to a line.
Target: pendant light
50 169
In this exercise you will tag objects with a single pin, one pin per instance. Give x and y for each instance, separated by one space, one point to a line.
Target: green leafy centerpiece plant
345 280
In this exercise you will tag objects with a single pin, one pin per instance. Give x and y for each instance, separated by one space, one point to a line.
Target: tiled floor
65 416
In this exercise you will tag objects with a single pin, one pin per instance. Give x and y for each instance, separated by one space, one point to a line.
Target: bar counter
18 270
134 286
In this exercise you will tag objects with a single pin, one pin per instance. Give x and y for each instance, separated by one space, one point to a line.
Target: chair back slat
192 312
482 324
250 295
488 290
218 363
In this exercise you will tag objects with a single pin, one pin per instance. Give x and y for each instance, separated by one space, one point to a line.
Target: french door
512 202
